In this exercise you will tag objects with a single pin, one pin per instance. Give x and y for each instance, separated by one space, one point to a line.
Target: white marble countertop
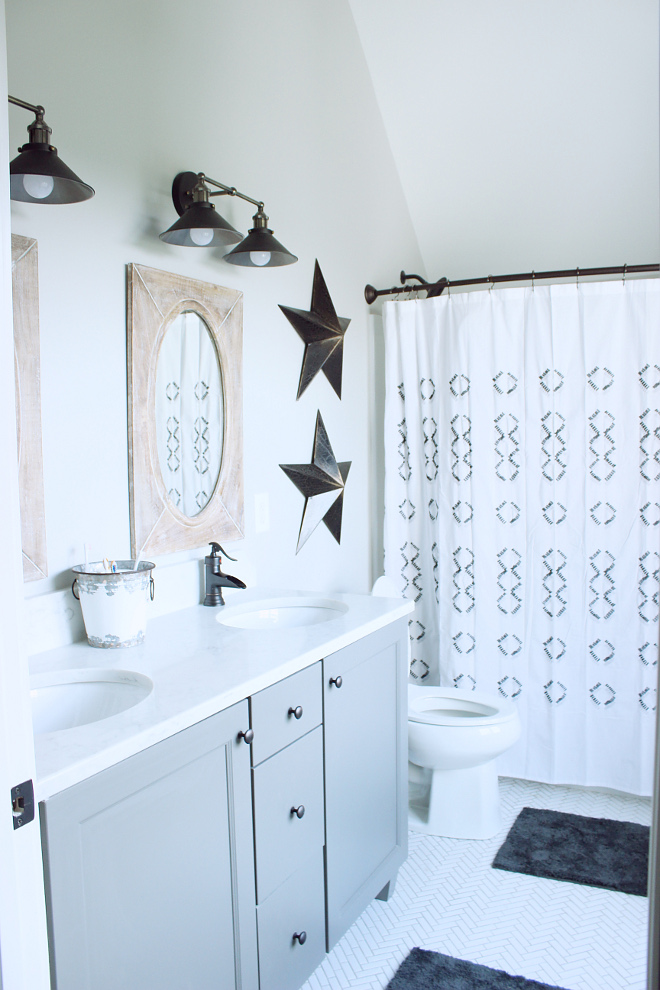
198 667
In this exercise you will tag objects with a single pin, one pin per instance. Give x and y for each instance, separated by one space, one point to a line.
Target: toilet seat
453 707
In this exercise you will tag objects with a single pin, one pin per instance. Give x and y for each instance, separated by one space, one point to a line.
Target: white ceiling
525 132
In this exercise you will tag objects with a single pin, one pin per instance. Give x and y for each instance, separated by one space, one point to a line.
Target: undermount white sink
282 613
64 699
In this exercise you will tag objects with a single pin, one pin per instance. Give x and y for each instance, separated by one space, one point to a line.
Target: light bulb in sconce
201 236
38 186
260 258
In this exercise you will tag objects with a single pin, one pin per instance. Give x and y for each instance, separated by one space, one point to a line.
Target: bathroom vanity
226 831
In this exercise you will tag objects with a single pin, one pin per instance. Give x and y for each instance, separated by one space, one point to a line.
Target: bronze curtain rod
437 288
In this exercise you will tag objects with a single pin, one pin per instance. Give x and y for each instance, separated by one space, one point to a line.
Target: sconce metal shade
36 159
260 241
201 216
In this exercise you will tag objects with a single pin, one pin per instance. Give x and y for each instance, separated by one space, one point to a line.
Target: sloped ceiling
525 132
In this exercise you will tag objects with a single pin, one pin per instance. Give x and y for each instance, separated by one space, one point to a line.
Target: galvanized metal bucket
114 603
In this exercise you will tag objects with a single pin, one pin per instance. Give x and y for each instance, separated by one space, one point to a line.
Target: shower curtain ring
577 276
448 288
532 280
490 283
624 274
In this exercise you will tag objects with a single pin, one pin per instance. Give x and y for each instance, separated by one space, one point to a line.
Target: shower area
522 511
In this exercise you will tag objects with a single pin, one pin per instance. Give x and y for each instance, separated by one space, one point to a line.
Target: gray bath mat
597 852
423 970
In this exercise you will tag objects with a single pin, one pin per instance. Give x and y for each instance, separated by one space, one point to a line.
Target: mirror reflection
189 413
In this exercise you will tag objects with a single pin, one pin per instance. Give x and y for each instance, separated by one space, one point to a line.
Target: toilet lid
451 706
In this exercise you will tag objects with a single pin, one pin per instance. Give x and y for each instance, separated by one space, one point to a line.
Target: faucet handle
217 549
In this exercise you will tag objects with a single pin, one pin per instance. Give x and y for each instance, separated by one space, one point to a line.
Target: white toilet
454 740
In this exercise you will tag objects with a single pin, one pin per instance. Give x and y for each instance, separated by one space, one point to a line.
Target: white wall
525 134
276 99
525 131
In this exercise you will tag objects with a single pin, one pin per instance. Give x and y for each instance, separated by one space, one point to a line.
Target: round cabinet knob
296 712
300 936
299 811
337 681
246 736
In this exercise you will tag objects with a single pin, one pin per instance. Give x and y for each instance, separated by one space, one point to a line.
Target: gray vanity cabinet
366 763
150 882
150 865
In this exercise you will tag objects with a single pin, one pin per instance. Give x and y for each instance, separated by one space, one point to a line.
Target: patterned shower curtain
522 513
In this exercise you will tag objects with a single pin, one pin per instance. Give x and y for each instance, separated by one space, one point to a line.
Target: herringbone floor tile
449 899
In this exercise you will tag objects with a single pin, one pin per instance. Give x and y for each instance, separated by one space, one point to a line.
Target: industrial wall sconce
38 175
200 225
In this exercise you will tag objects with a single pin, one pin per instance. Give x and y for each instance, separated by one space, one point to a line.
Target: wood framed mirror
27 367
185 426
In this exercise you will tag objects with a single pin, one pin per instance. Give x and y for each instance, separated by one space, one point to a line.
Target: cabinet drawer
296 906
291 778
273 712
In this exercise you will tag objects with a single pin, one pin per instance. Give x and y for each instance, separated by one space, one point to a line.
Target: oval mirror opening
189 413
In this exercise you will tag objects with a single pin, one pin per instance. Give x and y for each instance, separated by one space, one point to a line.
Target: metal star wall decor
323 333
322 483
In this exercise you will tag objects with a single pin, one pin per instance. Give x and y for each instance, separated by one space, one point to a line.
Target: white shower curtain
522 513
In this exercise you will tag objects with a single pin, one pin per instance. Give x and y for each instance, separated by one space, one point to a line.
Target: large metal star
322 483
323 333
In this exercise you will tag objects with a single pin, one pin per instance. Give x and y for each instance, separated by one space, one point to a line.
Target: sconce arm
25 105
229 191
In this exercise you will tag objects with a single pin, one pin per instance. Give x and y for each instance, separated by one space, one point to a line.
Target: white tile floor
449 899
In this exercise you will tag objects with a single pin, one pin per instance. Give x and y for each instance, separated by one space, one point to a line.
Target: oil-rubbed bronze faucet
215 579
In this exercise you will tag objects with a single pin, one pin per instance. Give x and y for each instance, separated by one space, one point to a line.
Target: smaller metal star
323 333
322 483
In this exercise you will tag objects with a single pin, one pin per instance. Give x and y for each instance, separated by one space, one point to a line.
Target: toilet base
461 804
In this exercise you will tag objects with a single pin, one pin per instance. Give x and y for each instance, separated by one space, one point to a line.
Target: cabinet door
366 760
150 871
